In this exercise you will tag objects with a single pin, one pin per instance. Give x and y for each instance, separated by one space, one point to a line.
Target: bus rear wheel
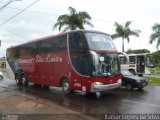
24 80
66 88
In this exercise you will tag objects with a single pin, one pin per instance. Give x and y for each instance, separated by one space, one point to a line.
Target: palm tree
124 32
155 35
73 20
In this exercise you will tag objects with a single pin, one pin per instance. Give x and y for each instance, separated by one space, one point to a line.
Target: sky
38 20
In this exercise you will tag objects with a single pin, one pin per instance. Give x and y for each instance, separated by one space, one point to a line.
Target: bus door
80 58
140 64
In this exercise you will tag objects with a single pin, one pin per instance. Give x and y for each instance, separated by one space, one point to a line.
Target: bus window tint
28 49
98 41
77 42
53 44
132 59
62 43
150 61
80 58
123 59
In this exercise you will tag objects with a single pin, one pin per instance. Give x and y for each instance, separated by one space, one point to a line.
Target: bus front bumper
99 87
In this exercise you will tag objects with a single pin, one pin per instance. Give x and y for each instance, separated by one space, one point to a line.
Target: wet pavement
52 101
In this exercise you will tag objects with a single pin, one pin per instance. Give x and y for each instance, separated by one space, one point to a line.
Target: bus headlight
98 83
119 81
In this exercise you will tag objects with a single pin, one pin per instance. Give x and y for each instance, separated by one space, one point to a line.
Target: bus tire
18 81
24 80
66 87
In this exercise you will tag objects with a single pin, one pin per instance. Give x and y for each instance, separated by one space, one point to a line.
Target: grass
153 80
158 71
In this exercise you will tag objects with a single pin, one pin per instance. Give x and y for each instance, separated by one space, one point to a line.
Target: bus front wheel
24 80
18 81
66 88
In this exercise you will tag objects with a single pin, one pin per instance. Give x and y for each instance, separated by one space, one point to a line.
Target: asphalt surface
53 102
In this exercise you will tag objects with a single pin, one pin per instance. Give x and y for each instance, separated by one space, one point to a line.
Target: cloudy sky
37 20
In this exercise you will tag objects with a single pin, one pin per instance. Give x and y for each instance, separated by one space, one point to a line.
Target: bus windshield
106 64
99 41
150 61
96 64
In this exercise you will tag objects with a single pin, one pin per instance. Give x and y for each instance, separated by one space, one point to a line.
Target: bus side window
132 60
38 47
77 42
52 44
62 43
123 60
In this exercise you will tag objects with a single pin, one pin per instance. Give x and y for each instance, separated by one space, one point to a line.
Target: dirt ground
17 106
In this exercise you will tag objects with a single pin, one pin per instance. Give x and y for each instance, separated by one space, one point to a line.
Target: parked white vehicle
143 63
1 75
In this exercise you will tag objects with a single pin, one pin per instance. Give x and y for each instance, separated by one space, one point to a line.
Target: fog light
98 83
119 81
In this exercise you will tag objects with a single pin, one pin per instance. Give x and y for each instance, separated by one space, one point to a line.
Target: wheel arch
132 71
19 73
61 80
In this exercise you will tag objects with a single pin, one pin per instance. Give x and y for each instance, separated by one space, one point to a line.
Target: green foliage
138 51
155 36
153 80
158 72
124 32
158 66
157 57
73 20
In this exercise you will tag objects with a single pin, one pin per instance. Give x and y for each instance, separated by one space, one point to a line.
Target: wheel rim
66 87
23 80
17 81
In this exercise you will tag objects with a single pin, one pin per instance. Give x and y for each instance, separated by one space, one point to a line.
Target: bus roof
59 34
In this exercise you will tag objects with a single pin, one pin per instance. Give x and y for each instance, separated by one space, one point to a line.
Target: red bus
79 60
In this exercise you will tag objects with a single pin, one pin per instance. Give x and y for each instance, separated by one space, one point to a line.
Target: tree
155 35
124 32
157 57
73 20
138 51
